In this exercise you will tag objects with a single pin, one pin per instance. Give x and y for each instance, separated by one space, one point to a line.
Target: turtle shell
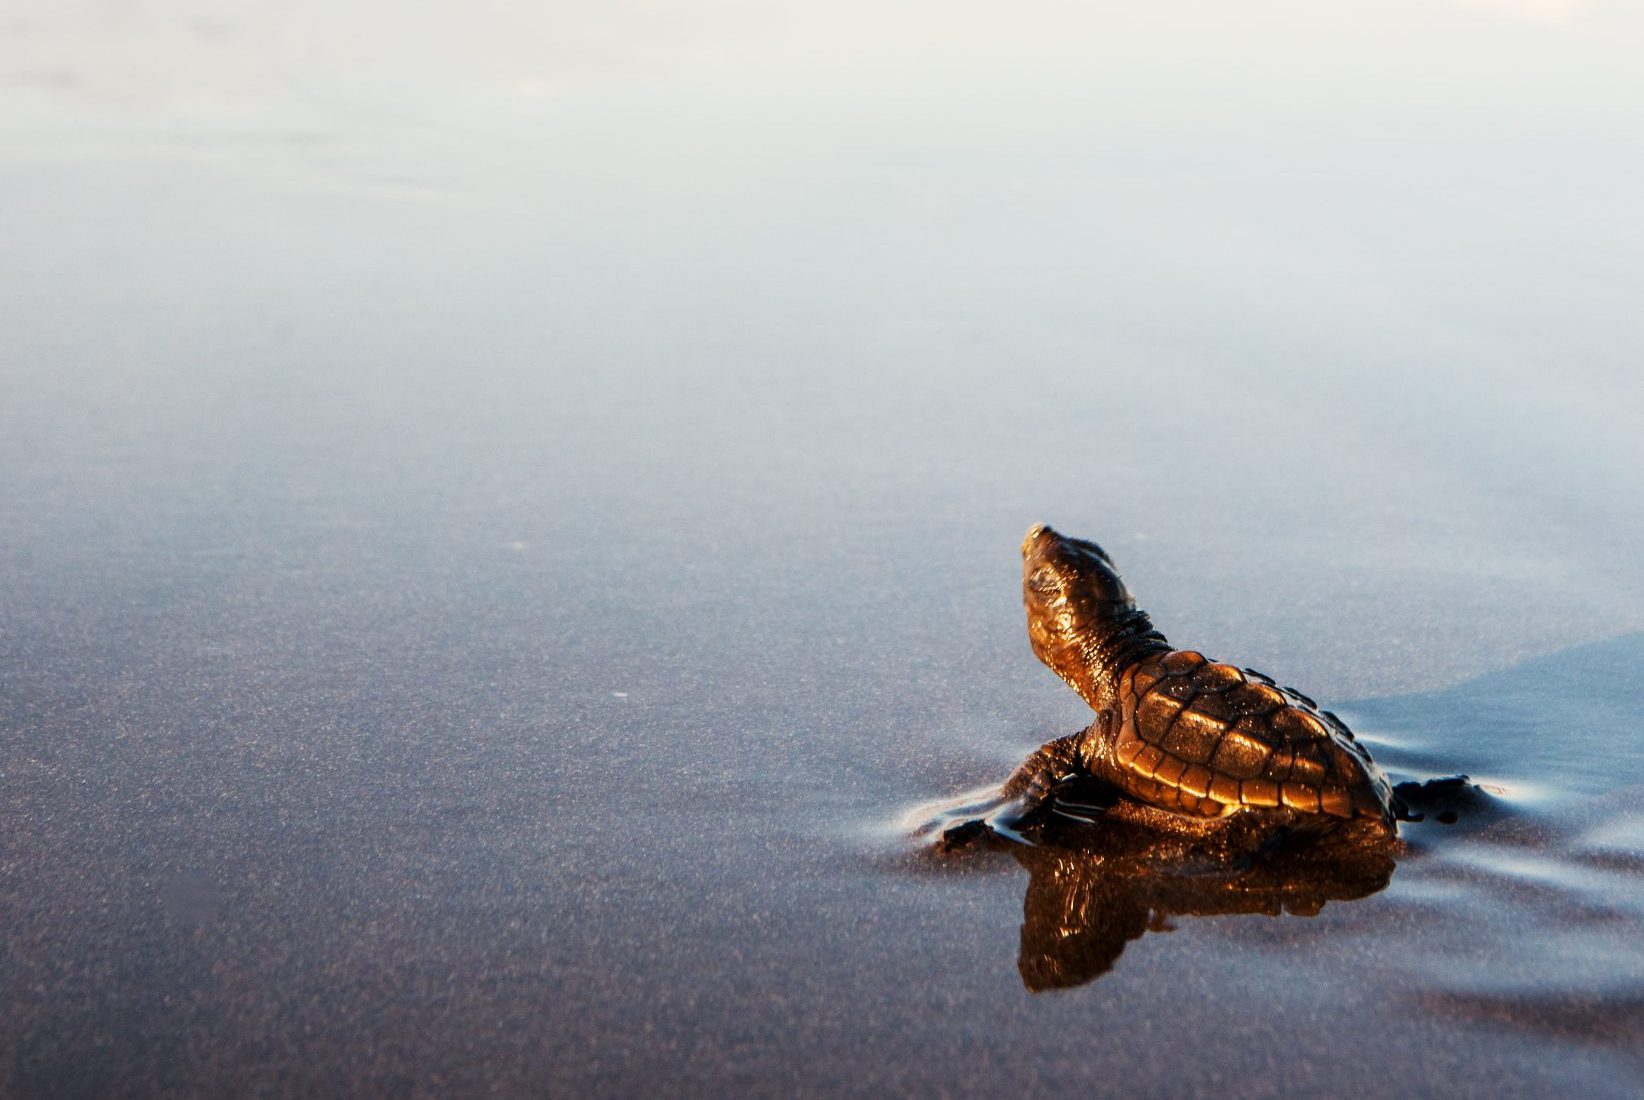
1201 737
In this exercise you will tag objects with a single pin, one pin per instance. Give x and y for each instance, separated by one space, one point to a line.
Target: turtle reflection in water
1090 892
1200 788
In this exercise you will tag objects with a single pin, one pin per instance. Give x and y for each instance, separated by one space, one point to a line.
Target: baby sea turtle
1180 740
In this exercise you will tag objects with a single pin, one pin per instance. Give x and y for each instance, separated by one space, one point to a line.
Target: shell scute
1127 747
1127 713
1171 770
1299 796
1259 792
1304 768
1255 727
1293 724
1344 764
1180 688
1197 734
1254 700
1196 780
1224 789
1218 677
1155 714
1240 755
1214 706
1314 726
1278 765
1181 661
1336 801
1144 677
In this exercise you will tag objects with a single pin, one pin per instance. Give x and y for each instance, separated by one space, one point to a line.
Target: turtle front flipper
1054 780
1051 784
1048 765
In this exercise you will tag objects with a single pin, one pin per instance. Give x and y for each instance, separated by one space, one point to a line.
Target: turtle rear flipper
1445 800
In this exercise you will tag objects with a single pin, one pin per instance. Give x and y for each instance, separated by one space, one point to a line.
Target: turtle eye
1043 581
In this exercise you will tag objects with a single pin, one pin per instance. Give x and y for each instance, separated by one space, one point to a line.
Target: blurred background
746 285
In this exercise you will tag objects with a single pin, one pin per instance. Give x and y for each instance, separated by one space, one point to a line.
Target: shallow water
501 519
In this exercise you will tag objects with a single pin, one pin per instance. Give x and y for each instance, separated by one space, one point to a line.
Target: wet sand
502 523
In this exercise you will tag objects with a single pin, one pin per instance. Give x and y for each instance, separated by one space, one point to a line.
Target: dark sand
502 521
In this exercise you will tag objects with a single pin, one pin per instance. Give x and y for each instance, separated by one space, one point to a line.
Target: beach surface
506 517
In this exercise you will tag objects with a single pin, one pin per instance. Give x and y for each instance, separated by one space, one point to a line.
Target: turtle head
1075 603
